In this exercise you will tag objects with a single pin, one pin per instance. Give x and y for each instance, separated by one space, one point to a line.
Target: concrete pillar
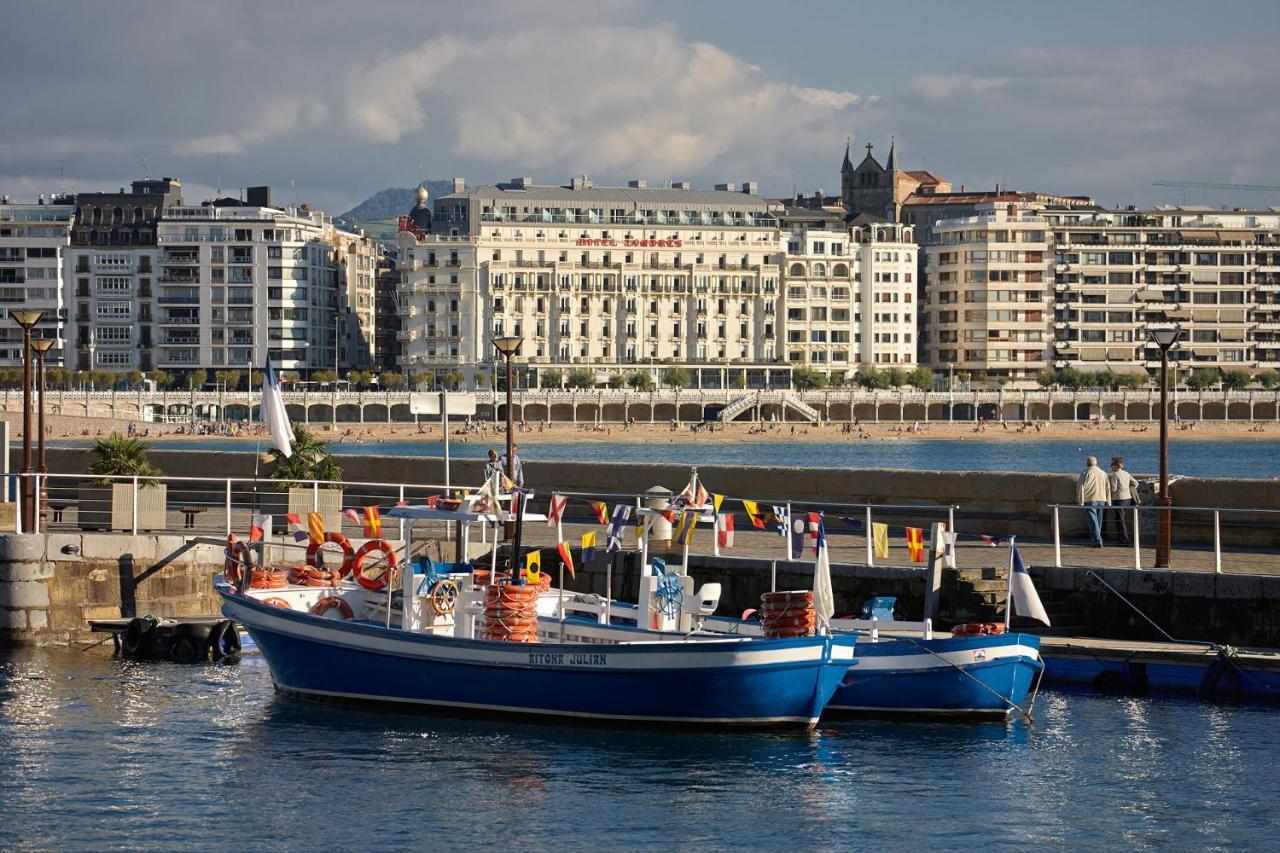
24 590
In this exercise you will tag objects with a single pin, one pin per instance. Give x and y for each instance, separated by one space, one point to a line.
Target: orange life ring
237 557
383 547
268 579
329 602
348 554
977 629
276 601
307 576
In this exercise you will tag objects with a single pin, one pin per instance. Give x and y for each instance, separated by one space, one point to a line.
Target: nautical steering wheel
444 596
670 595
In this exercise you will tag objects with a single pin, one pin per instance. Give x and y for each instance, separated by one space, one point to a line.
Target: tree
897 377
641 380
359 379
1202 378
617 381
872 378
452 380
120 456
675 377
422 379
197 378
1236 380
1131 380
134 378
1268 379
59 377
738 379
581 377
390 380
1047 378
311 460
324 377
807 379
552 377
229 379
164 379
921 379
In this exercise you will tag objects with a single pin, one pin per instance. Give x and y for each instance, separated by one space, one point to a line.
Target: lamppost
508 346
1166 338
41 346
27 319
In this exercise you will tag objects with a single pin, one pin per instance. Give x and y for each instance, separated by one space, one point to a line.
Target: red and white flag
555 511
352 515
296 527
257 525
724 530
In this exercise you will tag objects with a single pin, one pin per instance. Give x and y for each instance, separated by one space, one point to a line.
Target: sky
345 99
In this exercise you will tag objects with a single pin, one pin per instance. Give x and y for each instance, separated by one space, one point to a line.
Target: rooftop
639 197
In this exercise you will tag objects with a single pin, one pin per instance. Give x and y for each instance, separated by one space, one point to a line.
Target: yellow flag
716 500
880 538
532 565
588 541
315 527
684 528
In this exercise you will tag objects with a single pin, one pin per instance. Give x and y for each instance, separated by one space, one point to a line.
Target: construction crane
1208 185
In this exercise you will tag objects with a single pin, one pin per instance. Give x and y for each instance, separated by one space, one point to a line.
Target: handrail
1162 507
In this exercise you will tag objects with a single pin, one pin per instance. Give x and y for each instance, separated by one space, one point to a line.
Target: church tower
868 188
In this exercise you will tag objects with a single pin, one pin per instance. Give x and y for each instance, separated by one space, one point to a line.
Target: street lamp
27 319
41 346
508 346
1166 338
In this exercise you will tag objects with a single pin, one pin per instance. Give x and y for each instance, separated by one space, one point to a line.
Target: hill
391 203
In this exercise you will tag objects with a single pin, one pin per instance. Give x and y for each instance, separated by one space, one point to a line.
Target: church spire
847 165
889 163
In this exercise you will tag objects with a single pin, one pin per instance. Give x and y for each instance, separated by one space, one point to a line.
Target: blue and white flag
1022 592
781 516
617 526
273 412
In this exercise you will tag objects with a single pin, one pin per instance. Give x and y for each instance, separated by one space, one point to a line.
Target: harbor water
1199 458
101 753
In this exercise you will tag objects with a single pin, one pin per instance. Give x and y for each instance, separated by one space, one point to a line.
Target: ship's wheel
670 595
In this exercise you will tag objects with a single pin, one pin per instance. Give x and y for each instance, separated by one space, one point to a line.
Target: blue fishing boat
712 681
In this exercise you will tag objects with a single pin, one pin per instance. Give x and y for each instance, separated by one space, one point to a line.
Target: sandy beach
74 427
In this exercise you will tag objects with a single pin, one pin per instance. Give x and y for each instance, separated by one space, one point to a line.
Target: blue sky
1082 97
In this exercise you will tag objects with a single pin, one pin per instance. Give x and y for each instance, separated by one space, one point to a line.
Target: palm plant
121 456
311 460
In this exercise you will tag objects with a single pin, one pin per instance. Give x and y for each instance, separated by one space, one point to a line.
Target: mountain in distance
391 203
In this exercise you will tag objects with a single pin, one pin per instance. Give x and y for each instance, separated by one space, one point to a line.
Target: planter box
111 507
300 500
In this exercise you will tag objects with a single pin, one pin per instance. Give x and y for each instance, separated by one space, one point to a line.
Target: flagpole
1008 600
560 541
786 534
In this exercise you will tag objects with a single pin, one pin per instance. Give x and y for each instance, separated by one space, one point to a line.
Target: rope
1026 713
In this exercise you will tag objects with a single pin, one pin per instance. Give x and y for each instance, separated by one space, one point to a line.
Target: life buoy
237 557
329 602
276 601
977 629
348 553
268 579
307 576
383 547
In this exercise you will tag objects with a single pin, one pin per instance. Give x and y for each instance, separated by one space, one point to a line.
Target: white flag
1022 592
824 601
274 414
948 549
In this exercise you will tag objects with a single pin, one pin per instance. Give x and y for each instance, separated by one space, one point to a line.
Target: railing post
773 576
1137 553
17 499
871 556
315 495
135 506
951 519
229 507
1057 538
401 499
1217 541
35 516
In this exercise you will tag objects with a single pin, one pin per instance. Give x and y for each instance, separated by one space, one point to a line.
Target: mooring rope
1005 699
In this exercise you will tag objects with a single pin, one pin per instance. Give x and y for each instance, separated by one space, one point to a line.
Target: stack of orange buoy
304 575
510 614
268 579
788 614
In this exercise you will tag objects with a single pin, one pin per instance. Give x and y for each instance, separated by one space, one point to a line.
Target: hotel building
33 246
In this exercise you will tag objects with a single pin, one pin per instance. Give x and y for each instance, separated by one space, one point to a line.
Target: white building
33 246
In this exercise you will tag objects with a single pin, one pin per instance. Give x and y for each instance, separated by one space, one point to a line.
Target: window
114 334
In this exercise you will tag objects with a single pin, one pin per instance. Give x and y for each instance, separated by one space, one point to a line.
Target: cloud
594 98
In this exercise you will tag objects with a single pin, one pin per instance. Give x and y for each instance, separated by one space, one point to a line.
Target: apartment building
33 245
386 321
988 300
609 278
1216 273
849 298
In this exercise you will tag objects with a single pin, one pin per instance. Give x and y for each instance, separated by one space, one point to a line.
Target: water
100 753
1190 458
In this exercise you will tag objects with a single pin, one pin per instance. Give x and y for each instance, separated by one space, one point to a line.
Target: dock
1206 670
182 639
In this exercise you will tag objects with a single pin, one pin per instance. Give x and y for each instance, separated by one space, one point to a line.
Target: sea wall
989 501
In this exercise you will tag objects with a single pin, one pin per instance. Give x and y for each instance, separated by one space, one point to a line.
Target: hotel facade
615 280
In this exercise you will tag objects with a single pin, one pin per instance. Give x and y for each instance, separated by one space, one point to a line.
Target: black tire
185 645
224 640
139 637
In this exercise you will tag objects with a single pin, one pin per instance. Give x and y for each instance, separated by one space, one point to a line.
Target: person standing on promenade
1093 491
1124 494
517 468
493 466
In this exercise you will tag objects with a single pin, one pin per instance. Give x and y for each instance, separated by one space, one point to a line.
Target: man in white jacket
1093 490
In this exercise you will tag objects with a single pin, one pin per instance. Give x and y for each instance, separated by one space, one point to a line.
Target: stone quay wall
989 501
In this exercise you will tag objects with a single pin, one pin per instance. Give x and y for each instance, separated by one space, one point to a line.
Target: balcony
186 357
180 340
178 299
179 320
191 258
175 278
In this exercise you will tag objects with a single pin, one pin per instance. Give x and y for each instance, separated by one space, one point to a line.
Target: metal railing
1135 527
